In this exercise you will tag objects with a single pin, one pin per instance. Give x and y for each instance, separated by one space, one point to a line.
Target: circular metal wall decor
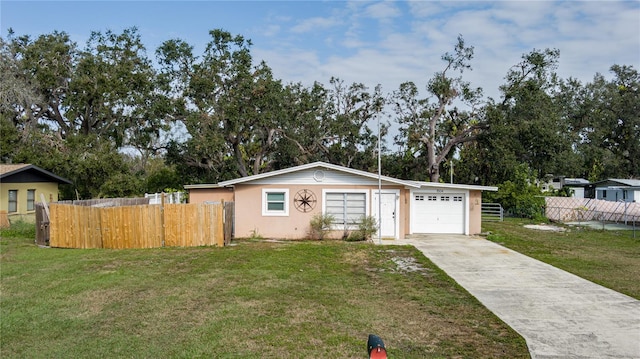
304 200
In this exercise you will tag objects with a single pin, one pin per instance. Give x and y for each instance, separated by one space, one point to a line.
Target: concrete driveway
559 314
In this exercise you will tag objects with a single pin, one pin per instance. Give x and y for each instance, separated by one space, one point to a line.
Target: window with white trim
347 208
457 198
13 201
419 197
31 200
433 198
275 202
444 198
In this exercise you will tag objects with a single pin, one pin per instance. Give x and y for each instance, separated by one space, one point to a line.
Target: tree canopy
119 123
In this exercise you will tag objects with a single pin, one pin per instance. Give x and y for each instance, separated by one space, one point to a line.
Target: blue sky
373 42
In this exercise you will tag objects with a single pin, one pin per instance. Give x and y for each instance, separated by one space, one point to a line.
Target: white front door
388 212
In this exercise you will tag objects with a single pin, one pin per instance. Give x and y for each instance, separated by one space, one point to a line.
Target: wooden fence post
162 221
220 240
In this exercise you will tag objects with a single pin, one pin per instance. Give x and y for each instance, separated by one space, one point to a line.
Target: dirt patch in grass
355 257
92 303
545 227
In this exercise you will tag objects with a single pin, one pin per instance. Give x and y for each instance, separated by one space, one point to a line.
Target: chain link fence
594 212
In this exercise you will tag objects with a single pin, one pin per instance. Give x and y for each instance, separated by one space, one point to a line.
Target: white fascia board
202 186
267 174
323 165
457 186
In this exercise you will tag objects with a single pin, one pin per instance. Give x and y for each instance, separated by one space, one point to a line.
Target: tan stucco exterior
199 195
250 221
475 212
253 219
405 219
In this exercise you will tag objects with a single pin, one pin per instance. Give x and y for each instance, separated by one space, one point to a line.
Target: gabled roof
619 182
329 166
8 170
307 166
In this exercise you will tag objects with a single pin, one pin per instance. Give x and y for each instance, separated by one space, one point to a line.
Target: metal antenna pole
379 187
451 164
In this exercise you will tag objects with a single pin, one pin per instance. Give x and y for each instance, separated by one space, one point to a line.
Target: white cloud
313 24
424 9
382 10
296 66
271 30
524 14
591 36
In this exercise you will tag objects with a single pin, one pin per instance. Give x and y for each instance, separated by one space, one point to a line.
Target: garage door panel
441 213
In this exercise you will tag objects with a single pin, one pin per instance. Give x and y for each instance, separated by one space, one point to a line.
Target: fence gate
42 225
492 212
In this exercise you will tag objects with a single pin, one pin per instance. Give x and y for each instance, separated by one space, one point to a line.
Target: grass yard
609 258
256 299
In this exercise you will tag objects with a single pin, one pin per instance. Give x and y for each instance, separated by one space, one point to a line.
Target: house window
457 198
347 208
444 198
604 193
419 198
31 200
432 198
275 202
13 201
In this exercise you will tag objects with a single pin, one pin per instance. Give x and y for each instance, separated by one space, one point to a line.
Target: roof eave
203 186
459 186
324 165
55 177
314 165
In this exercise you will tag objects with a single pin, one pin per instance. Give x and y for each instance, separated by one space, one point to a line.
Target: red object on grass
378 353
375 347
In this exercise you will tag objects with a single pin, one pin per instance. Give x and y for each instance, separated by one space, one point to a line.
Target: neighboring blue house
617 190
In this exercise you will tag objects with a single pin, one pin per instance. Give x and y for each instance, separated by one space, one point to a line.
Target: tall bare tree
433 127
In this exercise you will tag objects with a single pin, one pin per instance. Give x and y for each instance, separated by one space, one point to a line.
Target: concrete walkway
559 314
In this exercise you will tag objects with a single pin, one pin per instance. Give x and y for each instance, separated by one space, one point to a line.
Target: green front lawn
609 258
255 299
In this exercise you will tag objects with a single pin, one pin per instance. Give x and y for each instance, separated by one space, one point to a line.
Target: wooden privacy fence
138 226
107 202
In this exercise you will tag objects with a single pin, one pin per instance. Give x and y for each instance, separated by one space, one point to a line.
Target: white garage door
437 213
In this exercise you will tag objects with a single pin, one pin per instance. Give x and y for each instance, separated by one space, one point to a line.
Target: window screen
13 201
31 199
346 208
275 201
